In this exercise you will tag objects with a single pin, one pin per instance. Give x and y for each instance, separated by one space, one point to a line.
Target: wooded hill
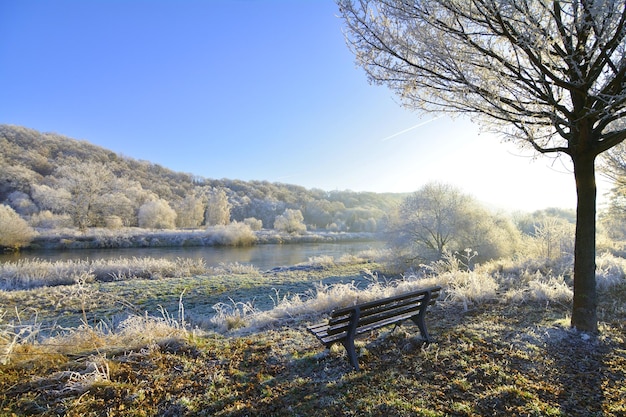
55 181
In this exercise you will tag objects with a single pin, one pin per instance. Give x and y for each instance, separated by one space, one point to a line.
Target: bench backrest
378 313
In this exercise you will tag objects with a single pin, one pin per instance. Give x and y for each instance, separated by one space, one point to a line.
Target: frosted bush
291 221
14 231
113 222
234 234
610 271
255 224
471 287
157 214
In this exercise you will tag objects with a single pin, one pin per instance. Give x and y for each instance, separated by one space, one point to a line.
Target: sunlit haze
250 90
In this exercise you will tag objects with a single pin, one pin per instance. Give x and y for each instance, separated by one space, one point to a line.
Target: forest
57 182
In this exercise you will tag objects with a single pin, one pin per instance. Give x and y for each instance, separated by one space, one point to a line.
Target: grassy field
235 344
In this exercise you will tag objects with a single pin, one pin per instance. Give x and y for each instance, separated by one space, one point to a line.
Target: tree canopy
547 74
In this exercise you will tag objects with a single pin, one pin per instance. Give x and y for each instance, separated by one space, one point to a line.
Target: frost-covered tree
157 214
86 183
440 219
218 208
547 74
14 231
291 221
22 203
190 211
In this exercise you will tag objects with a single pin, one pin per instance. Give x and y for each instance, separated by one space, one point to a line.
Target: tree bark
585 299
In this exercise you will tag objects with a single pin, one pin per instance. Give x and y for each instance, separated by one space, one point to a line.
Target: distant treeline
55 182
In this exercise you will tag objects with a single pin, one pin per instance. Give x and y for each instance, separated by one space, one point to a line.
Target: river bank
148 238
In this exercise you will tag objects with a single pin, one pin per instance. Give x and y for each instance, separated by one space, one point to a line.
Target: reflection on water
263 257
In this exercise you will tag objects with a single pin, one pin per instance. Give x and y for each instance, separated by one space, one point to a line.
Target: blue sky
244 89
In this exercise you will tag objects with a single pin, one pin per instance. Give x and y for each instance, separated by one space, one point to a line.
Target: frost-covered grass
502 344
522 282
33 273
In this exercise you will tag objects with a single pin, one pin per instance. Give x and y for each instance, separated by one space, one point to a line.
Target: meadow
125 338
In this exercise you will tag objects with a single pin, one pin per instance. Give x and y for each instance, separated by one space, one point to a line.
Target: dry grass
34 273
503 347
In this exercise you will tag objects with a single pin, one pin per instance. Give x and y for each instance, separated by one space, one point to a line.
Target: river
264 257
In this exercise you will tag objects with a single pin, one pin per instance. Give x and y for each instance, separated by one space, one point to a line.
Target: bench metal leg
419 320
348 343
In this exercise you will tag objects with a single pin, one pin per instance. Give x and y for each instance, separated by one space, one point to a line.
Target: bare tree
548 74
439 219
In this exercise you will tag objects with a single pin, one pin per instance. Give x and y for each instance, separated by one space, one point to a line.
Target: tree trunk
585 300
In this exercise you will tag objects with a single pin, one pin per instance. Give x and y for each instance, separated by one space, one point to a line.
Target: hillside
55 181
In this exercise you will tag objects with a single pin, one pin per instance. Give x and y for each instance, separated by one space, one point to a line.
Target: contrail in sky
411 128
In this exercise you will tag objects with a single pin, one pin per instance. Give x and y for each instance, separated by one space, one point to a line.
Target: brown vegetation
502 351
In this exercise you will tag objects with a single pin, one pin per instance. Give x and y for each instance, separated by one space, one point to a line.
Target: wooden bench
346 323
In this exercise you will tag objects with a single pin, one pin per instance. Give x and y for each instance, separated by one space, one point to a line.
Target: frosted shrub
157 214
14 231
553 289
551 238
234 234
610 271
291 221
471 287
47 220
255 224
21 203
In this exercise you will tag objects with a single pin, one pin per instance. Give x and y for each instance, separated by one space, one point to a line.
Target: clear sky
245 89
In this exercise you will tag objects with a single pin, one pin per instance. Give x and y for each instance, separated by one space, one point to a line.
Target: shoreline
144 238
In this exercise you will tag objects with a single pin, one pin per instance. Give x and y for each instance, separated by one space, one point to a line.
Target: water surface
264 257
